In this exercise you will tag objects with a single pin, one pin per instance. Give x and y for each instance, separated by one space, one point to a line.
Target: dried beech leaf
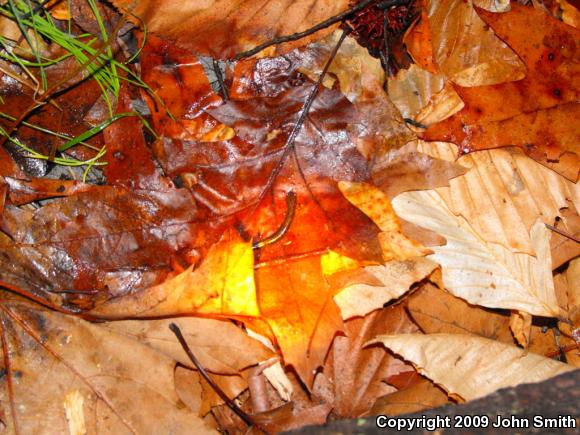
471 366
223 28
397 278
126 386
437 311
480 272
504 193
466 50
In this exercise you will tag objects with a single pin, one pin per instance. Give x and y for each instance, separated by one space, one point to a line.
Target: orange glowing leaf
376 205
296 301
223 284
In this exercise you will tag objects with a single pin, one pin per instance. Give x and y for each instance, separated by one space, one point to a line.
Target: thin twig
563 233
320 26
220 78
290 142
232 405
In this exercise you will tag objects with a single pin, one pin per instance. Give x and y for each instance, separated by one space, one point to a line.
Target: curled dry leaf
353 376
422 96
122 393
397 277
480 272
470 366
224 28
467 50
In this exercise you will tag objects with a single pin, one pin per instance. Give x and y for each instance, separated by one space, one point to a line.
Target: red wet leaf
533 113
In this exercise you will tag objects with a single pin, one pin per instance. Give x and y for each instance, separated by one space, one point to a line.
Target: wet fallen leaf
540 106
222 285
467 50
470 366
223 28
120 393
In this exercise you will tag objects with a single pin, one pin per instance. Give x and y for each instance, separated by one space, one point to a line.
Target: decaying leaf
352 378
470 366
120 393
222 285
466 49
537 118
96 244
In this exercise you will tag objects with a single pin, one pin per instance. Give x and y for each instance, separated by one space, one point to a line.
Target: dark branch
320 26
233 406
